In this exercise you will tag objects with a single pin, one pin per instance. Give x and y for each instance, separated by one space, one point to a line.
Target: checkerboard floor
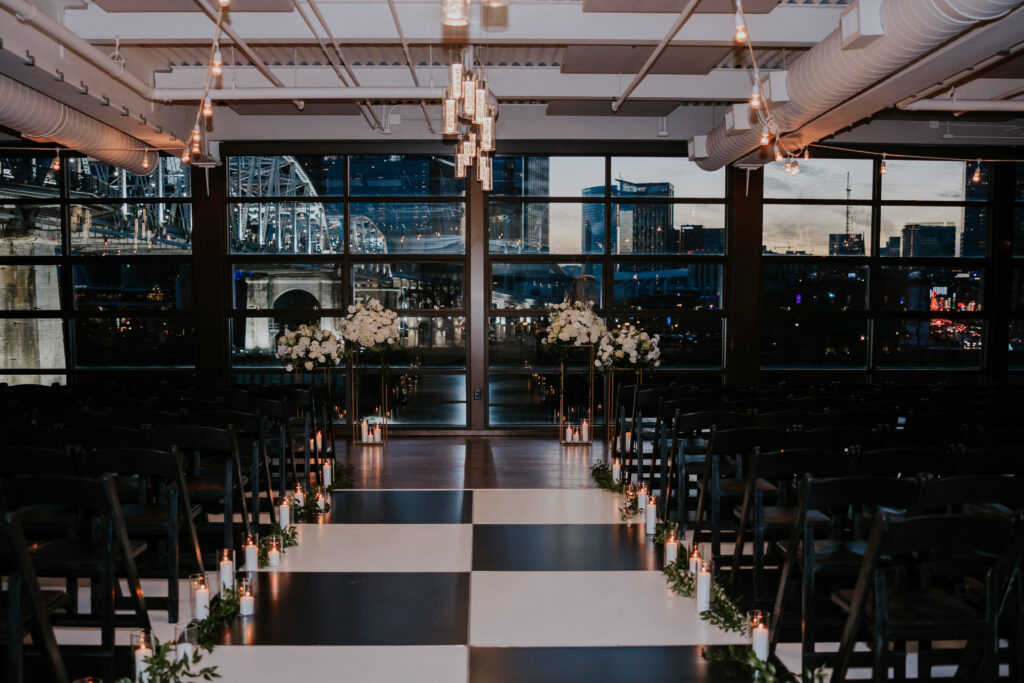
471 584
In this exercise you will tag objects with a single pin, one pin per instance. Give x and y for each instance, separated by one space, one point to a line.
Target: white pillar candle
140 666
568 434
364 430
321 502
652 520
760 642
274 557
694 561
247 605
299 497
328 473
378 435
252 553
284 515
585 431
312 447
202 606
641 498
319 441
576 435
629 441
703 593
185 650
616 470
227 571
671 550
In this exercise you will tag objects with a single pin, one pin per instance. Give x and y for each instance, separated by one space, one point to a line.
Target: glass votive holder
142 649
226 568
246 598
275 547
757 620
320 498
702 592
186 641
251 552
299 495
199 596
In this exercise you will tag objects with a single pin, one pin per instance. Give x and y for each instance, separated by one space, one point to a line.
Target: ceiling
555 66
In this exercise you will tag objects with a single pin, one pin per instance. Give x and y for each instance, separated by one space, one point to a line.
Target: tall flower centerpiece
575 329
627 351
369 328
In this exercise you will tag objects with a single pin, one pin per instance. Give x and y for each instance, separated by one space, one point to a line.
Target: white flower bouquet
573 324
370 326
628 347
309 348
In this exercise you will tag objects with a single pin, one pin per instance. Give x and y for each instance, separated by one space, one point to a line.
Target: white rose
308 365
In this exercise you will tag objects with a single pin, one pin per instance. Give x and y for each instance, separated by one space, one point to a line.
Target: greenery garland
723 612
663 531
744 658
602 475
344 477
289 538
223 610
164 666
630 508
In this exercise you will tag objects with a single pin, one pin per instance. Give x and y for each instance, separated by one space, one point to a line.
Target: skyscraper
974 238
929 240
636 228
846 244
892 247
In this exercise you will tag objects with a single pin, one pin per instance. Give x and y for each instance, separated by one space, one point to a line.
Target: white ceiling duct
37 116
827 75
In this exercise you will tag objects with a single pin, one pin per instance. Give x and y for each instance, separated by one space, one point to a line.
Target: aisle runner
485 585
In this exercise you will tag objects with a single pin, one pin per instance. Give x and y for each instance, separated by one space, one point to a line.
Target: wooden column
210 276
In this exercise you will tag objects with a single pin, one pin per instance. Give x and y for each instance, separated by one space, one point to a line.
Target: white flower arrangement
309 348
573 324
628 347
371 326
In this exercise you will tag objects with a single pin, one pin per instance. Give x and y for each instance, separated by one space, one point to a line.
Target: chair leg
14 640
173 562
716 517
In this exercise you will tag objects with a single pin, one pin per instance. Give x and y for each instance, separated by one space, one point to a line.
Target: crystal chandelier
468 112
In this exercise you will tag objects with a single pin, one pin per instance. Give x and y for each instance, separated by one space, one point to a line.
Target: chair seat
52 601
740 486
150 518
209 487
74 556
782 518
917 610
843 558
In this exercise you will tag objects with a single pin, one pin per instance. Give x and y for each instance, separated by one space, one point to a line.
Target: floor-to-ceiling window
311 234
865 269
643 238
1016 351
96 268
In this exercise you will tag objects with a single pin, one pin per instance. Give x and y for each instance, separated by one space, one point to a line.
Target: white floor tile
546 506
381 548
583 608
394 664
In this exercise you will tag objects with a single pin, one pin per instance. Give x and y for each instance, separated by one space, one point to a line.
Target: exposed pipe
827 75
352 93
408 61
364 107
29 14
38 116
948 104
683 17
341 57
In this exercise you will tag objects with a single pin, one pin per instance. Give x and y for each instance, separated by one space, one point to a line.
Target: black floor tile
563 547
310 608
595 665
401 507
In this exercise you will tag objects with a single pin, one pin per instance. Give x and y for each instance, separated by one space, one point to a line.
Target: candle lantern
576 408
142 649
320 498
758 621
372 428
226 566
246 598
274 548
200 596
186 641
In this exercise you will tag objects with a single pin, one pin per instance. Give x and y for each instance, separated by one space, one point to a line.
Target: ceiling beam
545 23
507 83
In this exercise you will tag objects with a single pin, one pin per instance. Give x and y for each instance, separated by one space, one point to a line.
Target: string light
207 107
218 62
778 154
448 119
789 166
741 28
186 157
455 13
795 168
755 93
807 154
977 172
881 169
145 162
224 3
765 138
56 162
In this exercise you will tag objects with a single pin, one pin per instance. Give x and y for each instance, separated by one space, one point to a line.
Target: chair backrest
942 536
998 460
785 419
155 419
940 494
93 495
1000 437
15 460
919 437
839 493
838 438
706 420
249 424
108 437
765 405
906 462
133 461
863 419
743 440
796 462
34 437
276 409
194 437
